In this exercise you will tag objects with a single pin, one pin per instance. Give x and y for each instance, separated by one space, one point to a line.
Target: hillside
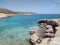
6 11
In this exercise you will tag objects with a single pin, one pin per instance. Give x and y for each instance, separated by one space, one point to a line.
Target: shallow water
15 30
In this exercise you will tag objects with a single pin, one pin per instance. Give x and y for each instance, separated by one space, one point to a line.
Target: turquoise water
16 29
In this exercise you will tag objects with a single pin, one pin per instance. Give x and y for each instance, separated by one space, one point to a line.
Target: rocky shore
52 38
3 15
7 13
56 39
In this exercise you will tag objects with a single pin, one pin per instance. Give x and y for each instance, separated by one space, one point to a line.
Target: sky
37 6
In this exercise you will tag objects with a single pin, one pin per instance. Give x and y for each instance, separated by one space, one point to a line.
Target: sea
15 30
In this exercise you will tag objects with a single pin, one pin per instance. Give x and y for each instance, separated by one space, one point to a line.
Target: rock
49 30
49 35
44 41
56 39
54 24
32 32
49 22
42 21
34 39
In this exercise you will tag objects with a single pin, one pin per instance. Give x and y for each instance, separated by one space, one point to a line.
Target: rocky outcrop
56 39
48 31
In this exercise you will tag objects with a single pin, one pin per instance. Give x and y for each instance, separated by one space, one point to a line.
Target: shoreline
57 34
53 41
3 15
56 39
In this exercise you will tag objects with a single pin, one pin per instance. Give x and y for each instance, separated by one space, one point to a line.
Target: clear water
16 29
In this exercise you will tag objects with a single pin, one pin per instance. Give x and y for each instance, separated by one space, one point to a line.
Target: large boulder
34 39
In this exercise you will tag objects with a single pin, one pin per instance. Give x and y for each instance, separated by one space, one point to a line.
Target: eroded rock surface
51 41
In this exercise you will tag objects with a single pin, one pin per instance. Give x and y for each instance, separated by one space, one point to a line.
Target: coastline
53 39
56 39
3 15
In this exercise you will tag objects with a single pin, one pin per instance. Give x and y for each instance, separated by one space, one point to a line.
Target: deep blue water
17 28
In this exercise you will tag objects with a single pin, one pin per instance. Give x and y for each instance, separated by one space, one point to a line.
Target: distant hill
6 11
